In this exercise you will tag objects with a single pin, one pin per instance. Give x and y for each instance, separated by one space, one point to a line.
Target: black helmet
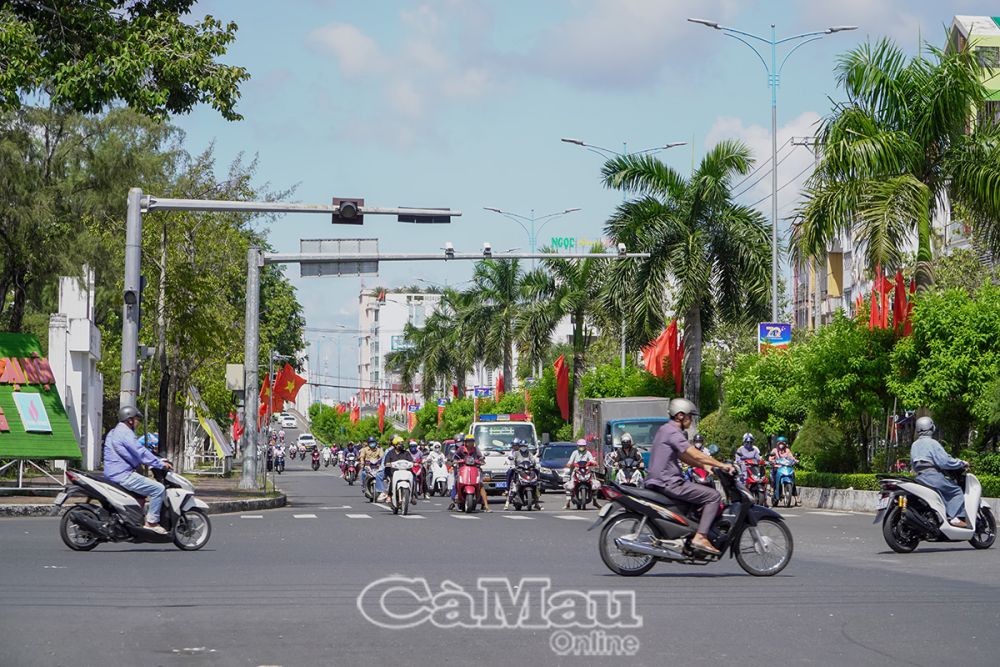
128 412
699 438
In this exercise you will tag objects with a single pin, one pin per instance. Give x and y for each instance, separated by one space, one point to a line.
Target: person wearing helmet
781 451
123 455
625 449
398 452
463 451
518 454
369 457
928 459
670 447
581 455
748 451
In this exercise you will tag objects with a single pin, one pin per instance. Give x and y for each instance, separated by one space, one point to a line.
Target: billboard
773 335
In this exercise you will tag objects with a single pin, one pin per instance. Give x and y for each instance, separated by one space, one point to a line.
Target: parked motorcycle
911 512
641 527
757 480
112 513
525 486
784 488
402 486
469 482
351 469
315 459
629 473
581 480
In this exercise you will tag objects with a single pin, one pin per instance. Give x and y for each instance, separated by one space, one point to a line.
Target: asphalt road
281 588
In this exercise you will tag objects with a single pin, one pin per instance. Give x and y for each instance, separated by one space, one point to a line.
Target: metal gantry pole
774 177
255 259
130 311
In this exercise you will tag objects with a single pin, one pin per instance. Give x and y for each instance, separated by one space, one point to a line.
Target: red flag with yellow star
288 383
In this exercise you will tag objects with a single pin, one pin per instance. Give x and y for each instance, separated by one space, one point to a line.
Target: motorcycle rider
748 451
627 450
123 454
518 455
369 454
928 460
582 454
670 447
466 449
398 452
434 459
418 458
781 451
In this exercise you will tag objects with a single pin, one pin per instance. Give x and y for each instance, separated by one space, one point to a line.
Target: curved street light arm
752 48
514 217
550 219
796 48
815 34
745 34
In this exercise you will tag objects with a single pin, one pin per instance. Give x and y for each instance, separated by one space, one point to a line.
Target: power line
763 176
794 178
760 166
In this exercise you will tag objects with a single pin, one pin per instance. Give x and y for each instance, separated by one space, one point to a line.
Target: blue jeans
380 481
953 495
150 488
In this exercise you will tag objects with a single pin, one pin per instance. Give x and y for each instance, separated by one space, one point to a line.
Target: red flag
355 415
265 389
381 417
454 390
341 408
873 317
288 383
899 303
499 386
562 386
654 353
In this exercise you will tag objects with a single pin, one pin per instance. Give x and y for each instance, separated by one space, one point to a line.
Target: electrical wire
762 177
760 166
793 179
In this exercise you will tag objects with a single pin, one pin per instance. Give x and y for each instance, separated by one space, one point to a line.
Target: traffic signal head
350 211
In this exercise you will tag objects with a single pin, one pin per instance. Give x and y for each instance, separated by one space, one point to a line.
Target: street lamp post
531 231
607 154
774 78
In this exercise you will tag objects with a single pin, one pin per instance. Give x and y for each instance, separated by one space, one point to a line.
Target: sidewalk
222 494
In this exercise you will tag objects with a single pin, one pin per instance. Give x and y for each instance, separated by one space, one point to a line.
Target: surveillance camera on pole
349 211
621 249
487 249
449 250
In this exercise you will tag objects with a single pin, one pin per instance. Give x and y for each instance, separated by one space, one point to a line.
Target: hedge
863 482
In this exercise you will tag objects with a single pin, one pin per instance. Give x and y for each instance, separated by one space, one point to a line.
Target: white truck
494 435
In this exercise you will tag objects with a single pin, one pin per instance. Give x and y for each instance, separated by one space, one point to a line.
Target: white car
288 421
306 440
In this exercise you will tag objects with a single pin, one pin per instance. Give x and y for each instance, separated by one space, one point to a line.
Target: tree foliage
85 56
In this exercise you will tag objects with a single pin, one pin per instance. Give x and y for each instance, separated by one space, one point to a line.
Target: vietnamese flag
654 353
265 389
899 303
355 415
381 417
288 383
562 386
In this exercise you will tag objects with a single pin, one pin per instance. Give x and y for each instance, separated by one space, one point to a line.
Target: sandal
706 549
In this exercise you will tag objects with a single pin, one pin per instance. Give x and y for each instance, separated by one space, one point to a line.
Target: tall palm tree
903 142
493 302
564 288
709 256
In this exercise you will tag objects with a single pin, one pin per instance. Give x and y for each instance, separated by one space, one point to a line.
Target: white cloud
900 20
356 53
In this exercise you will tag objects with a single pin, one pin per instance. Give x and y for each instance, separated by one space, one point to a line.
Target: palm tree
564 288
903 143
709 254
491 313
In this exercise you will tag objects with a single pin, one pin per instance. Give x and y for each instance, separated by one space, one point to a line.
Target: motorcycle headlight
547 471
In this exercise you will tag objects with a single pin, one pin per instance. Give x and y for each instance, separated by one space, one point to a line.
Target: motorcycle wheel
986 530
786 493
580 496
470 503
616 560
772 534
897 534
74 535
405 502
192 530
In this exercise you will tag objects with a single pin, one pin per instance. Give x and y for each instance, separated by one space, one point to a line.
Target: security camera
621 249
487 250
449 250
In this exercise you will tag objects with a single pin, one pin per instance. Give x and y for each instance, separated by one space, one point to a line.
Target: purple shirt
123 453
664 463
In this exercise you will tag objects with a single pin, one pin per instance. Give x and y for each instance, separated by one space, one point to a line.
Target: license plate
61 498
882 503
501 485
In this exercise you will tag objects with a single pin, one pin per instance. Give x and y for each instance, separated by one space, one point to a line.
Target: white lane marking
251 516
519 518
783 515
830 513
337 507
464 516
304 516
572 517
359 516
413 516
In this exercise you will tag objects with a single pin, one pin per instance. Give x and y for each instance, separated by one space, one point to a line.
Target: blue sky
462 103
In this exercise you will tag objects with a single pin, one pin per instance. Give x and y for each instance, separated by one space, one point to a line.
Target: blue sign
413 407
442 402
483 392
773 335
32 412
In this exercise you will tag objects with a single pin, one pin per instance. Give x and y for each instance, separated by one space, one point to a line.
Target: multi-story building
841 279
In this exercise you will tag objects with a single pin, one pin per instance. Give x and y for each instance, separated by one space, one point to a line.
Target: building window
989 114
988 56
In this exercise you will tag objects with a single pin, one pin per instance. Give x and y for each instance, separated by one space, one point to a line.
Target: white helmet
682 405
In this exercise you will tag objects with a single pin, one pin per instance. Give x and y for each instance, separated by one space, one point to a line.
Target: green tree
84 55
765 391
711 254
898 145
491 312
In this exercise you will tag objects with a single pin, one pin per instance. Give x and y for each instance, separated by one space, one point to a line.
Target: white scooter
438 478
912 512
402 486
326 457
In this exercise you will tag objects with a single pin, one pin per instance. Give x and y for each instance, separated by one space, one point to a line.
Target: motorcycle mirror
713 449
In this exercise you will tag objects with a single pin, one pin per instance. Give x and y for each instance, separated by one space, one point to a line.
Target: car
306 441
288 421
552 464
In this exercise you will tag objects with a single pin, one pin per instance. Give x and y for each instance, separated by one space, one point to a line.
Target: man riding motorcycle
781 451
928 459
581 455
123 454
518 454
370 454
627 450
748 451
670 447
398 452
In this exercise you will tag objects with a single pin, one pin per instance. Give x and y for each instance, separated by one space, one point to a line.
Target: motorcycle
370 481
279 463
326 457
580 480
315 459
757 480
419 488
641 527
629 473
402 486
351 470
784 487
302 453
469 483
112 513
292 452
438 478
911 512
525 491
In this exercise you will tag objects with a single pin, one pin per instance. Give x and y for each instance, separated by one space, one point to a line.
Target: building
382 319
818 297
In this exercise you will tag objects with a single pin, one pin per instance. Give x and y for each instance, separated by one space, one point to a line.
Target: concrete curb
214 507
851 500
